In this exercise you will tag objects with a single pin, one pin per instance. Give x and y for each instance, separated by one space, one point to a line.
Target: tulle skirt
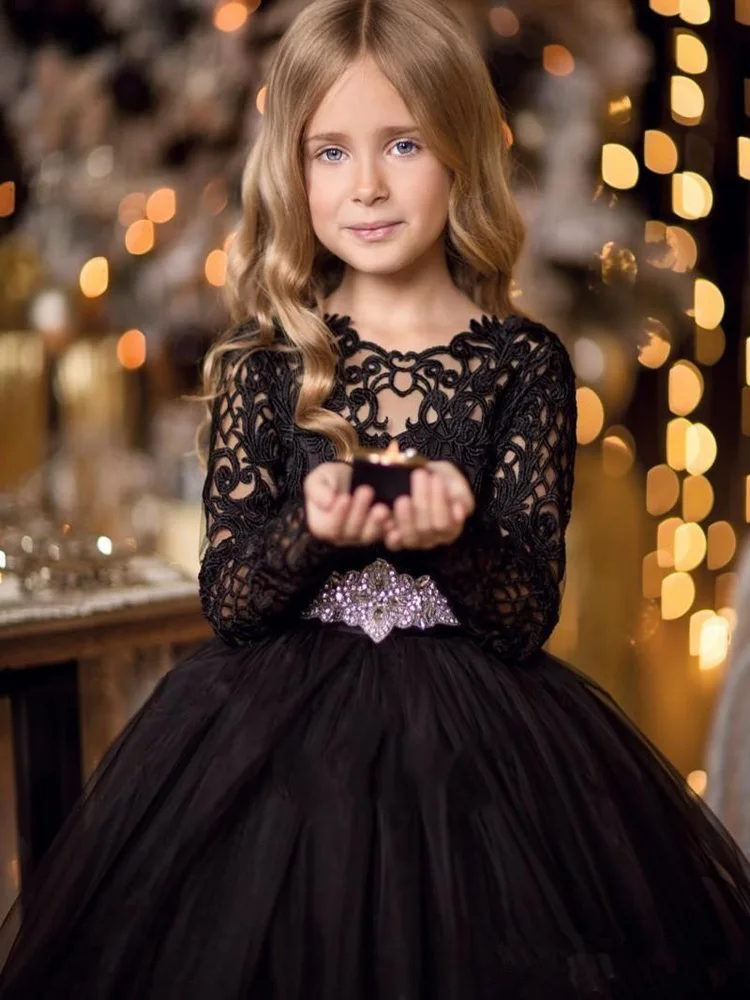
315 816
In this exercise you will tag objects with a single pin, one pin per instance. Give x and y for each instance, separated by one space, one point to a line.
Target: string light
695 11
94 277
504 22
7 199
722 544
230 16
590 415
216 268
686 101
743 156
619 166
708 304
139 238
691 54
677 595
131 349
659 152
557 60
162 205
667 8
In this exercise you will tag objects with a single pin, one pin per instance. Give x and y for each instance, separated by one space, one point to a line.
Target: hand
434 514
337 516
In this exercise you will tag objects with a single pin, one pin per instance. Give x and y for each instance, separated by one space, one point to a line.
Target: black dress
331 801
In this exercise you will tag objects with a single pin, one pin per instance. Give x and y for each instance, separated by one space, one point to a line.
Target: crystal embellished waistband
378 599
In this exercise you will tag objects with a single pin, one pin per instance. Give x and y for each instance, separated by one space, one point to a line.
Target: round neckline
484 323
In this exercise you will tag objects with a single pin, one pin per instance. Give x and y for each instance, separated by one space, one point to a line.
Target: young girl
374 784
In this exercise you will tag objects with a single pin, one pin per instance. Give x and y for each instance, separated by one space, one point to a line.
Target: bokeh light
659 152
230 16
216 268
686 100
162 205
677 442
662 489
697 498
558 60
7 199
685 388
619 166
689 547
722 544
695 11
618 452
94 277
708 303
131 349
139 238
691 54
590 415
713 643
677 595
504 22
700 449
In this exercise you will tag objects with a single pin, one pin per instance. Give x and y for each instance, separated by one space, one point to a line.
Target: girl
373 783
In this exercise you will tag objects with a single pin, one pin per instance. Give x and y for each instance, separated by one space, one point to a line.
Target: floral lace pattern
498 400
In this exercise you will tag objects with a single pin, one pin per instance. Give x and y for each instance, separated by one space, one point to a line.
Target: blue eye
329 149
406 142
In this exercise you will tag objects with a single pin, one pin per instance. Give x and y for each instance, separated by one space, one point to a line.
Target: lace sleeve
260 561
503 576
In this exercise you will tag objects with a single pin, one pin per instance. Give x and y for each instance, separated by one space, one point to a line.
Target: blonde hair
279 275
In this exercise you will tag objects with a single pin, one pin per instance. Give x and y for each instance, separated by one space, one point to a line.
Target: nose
370 184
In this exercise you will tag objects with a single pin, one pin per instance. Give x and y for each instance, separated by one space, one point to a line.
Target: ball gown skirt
317 816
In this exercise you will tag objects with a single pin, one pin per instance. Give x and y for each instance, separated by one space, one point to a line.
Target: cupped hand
435 512
337 516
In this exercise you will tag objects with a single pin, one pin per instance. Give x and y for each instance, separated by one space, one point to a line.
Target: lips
370 226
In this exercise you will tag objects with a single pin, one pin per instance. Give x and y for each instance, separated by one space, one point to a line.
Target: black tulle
300 813
319 816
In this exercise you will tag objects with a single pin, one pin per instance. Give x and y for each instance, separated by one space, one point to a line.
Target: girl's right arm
267 553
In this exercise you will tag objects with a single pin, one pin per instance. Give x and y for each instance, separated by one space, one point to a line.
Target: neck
419 295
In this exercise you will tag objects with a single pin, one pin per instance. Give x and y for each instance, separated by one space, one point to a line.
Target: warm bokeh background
124 125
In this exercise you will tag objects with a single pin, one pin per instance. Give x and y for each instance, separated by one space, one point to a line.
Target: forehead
362 99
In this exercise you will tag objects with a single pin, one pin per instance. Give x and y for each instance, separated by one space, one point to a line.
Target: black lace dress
374 784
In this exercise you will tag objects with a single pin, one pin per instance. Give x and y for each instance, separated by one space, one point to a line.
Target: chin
381 260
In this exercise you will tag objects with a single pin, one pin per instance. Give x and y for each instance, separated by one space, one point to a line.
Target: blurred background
124 126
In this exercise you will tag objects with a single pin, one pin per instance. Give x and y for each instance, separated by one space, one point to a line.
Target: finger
421 488
328 522
441 511
361 501
403 515
374 527
392 539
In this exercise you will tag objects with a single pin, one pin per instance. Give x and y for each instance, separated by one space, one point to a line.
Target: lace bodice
498 400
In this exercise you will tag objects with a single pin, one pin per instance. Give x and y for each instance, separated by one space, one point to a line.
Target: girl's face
378 197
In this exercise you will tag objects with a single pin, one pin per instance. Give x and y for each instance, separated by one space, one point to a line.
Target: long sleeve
260 561
503 575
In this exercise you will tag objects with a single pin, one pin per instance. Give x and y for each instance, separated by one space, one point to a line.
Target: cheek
431 191
321 197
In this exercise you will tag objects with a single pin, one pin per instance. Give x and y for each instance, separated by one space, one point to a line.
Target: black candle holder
387 471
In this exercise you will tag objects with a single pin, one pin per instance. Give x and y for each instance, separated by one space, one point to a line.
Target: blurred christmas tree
128 124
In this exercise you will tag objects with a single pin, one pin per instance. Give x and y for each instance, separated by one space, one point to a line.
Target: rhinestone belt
378 599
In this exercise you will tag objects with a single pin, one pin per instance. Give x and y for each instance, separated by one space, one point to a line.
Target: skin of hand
433 514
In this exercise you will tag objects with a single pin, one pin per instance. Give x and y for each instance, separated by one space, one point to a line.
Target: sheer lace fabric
498 400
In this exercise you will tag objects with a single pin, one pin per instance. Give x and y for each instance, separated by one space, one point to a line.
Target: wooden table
41 665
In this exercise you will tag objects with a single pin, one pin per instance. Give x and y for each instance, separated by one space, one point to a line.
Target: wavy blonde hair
278 272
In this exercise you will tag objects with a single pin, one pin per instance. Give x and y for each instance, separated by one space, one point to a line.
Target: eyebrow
342 136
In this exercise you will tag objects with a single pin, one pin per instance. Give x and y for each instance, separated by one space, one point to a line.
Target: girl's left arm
503 575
